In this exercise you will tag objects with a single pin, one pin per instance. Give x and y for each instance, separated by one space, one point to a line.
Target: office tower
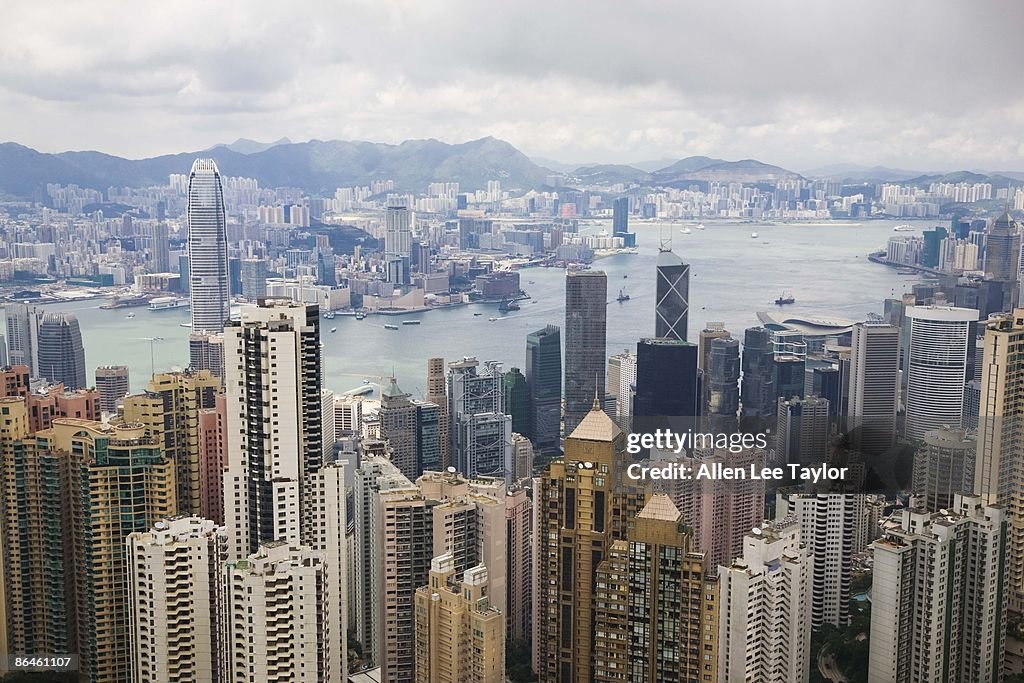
279 601
212 459
622 381
657 605
519 565
829 524
397 244
398 427
825 381
160 248
939 341
711 332
719 512
722 383
667 385
61 355
348 415
517 400
874 386
207 248
481 431
234 276
620 215
587 505
788 371
169 411
3 352
172 590
997 477
437 393
206 352
802 431
764 618
944 466
1002 249
254 278
183 273
757 391
23 335
120 482
276 342
522 457
672 310
112 385
544 383
938 609
428 437
586 311
459 635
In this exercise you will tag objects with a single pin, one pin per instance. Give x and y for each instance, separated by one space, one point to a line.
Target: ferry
904 228
753 235
390 327
685 231
360 315
162 303
477 314
785 299
410 322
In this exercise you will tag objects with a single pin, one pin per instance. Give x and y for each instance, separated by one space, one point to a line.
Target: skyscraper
517 400
722 382
207 248
460 636
657 604
23 335
764 621
397 244
667 385
112 385
938 611
172 591
398 427
672 310
481 430
437 393
711 332
587 507
758 388
874 386
1002 249
61 353
802 431
544 383
939 343
620 221
586 314
944 466
254 278
159 248
519 560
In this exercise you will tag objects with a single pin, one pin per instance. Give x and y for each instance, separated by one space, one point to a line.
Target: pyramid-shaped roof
660 506
596 426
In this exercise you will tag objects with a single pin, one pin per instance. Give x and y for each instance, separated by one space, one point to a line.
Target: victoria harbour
732 277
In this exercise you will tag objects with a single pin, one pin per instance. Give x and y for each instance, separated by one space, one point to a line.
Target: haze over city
920 85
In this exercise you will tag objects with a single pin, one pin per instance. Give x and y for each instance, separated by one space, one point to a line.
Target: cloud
795 82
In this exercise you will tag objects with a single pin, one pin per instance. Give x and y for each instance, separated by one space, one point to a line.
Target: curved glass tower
208 248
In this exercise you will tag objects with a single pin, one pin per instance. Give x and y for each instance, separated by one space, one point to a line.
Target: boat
685 231
785 299
130 316
508 305
391 327
530 282
700 226
492 319
329 315
334 329
360 315
410 322
366 380
162 303
906 271
477 314
754 235
904 228
184 324
622 296
624 277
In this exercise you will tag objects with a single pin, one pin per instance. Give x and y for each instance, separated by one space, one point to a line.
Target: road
828 668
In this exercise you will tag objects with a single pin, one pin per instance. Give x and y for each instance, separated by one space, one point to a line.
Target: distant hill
686 165
610 173
743 171
315 166
997 180
859 173
244 146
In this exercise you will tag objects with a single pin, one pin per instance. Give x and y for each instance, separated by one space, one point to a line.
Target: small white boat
492 319
334 329
686 231
130 316
700 226
754 235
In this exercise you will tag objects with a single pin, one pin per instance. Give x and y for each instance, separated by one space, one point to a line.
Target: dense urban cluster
238 521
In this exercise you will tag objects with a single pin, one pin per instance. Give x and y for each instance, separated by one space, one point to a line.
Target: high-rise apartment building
938 610
169 409
802 431
764 621
939 341
587 505
586 314
672 307
656 604
112 384
944 466
460 636
437 393
206 352
829 524
172 589
61 354
874 386
522 457
398 427
519 563
397 244
622 382
544 385
159 248
207 248
275 617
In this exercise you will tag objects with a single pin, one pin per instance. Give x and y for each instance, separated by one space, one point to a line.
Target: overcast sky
920 84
